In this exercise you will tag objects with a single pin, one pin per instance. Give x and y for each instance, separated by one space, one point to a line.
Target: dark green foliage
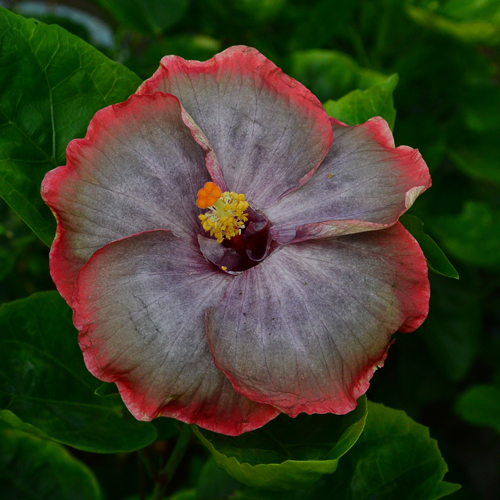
360 105
287 453
480 405
394 458
43 380
32 467
438 64
51 84
436 259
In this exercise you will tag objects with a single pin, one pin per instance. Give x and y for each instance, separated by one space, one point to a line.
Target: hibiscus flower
229 251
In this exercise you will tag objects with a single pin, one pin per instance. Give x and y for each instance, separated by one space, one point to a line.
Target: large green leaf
51 84
287 453
43 380
360 105
146 16
480 405
394 459
32 467
330 74
436 259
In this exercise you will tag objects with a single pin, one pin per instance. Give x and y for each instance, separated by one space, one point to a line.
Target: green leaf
480 405
360 105
51 84
106 389
214 482
394 459
330 74
479 156
471 10
147 16
287 453
436 259
44 381
473 236
10 421
452 331
469 21
32 467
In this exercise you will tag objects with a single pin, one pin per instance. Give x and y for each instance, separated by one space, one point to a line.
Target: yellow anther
226 216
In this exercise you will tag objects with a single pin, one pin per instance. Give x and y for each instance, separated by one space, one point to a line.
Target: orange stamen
208 195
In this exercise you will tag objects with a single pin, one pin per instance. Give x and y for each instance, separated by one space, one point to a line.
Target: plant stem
166 474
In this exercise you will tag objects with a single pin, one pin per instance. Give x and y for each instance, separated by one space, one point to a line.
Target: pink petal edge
239 364
64 265
239 414
407 162
176 75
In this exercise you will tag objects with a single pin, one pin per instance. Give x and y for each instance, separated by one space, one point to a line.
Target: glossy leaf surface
32 467
360 105
287 453
51 84
44 381
394 459
436 259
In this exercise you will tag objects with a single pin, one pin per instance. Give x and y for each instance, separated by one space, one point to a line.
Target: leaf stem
165 475
146 463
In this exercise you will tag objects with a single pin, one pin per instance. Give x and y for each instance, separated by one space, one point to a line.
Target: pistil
226 215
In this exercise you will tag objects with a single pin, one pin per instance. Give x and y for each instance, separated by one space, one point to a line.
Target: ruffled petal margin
364 184
268 131
140 307
305 330
137 169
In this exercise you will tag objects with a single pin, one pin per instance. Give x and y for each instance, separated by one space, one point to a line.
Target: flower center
226 215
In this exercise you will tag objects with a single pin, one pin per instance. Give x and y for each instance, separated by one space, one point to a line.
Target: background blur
446 53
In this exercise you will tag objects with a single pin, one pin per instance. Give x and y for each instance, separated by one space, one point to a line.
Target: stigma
226 215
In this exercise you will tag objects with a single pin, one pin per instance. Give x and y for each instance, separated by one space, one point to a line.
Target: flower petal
364 183
137 169
305 329
140 307
267 130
